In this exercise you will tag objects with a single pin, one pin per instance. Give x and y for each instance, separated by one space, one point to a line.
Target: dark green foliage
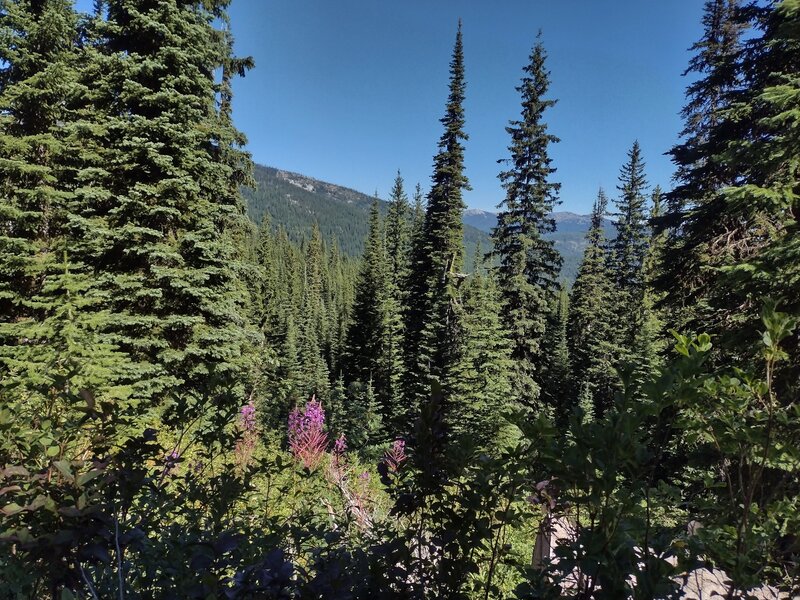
591 320
156 209
432 330
483 376
529 264
367 346
556 376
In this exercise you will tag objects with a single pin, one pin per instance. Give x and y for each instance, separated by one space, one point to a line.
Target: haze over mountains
296 201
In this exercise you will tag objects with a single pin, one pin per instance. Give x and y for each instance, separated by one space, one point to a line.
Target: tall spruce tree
627 252
157 210
529 263
369 329
591 319
483 382
702 169
431 341
398 248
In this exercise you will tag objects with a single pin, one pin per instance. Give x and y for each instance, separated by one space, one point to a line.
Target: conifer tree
701 168
157 210
483 376
628 250
313 367
556 376
757 258
651 335
41 283
398 236
418 213
366 337
398 249
591 320
431 340
529 263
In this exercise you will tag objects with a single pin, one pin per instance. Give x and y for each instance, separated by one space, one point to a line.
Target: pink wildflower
395 456
307 440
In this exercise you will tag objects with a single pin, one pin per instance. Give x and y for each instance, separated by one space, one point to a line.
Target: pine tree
157 211
529 263
591 320
432 331
702 168
556 376
366 337
627 252
483 375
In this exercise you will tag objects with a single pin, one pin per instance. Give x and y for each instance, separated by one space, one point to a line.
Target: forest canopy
194 404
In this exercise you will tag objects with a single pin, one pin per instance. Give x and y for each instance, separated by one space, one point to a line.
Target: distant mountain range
569 237
296 201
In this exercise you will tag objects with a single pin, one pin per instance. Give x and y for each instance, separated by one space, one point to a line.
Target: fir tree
556 376
529 263
701 167
483 375
431 340
591 320
39 276
313 367
398 236
157 211
366 337
398 251
627 254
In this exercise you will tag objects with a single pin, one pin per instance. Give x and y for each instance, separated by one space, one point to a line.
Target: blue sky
349 91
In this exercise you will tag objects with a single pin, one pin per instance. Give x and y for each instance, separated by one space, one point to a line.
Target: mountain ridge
295 201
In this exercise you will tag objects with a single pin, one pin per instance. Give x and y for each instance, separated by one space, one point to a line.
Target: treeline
190 402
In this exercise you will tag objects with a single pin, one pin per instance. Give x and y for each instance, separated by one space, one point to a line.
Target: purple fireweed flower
247 416
340 445
395 456
364 476
307 440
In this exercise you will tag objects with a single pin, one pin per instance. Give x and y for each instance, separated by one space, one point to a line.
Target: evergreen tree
591 320
47 306
627 253
556 376
529 263
418 213
757 258
483 375
366 337
398 236
313 367
694 205
651 335
157 210
432 331
398 250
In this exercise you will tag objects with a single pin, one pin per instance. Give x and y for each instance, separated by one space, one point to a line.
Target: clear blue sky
349 91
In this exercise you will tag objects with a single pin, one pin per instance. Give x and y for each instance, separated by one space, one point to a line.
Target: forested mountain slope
297 201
